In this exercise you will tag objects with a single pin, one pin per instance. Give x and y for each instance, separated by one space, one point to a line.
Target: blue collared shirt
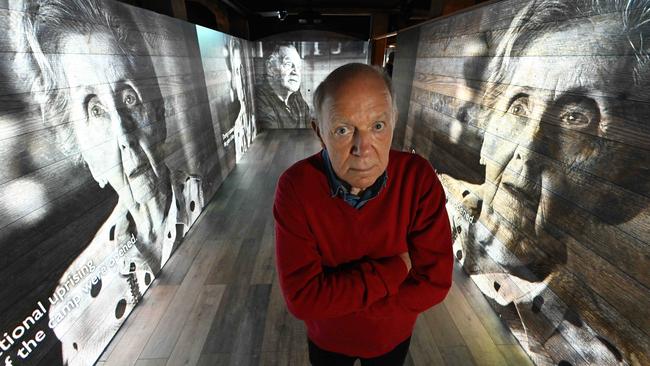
342 189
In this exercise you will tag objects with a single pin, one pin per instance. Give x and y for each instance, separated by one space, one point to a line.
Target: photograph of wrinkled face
552 134
288 68
102 96
279 99
567 170
116 123
240 110
110 155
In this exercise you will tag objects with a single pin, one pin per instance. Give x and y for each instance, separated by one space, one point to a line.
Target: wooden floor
217 301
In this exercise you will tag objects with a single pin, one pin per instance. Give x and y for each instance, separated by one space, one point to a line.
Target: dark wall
534 114
114 137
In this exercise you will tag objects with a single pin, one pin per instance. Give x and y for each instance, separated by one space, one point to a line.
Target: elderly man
363 243
278 101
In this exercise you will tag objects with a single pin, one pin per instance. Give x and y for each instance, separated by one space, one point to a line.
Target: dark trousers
321 357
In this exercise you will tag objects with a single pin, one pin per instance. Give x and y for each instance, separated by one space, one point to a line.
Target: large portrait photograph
110 155
535 115
288 71
229 80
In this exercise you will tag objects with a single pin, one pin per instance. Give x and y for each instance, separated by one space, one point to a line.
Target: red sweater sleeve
430 249
312 291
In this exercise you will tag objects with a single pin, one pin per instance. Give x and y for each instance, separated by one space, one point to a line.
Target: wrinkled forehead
99 43
603 34
586 56
84 61
362 82
288 54
358 92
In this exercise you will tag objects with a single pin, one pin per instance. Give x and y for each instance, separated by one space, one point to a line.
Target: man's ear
314 126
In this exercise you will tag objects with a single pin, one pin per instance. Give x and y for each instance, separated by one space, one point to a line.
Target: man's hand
407 260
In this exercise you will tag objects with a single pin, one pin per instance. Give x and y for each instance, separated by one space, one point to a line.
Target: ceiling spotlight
282 14
309 17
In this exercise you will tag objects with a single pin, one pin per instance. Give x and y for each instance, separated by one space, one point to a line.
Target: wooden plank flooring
217 301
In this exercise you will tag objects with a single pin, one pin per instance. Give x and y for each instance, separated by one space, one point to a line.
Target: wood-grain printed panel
455 111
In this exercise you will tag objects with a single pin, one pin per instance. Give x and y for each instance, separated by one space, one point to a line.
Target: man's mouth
361 170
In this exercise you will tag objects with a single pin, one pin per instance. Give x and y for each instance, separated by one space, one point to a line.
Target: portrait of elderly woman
98 91
240 109
560 237
278 101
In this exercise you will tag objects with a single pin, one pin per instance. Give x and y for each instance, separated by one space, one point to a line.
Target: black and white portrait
114 122
111 161
278 100
228 76
289 67
542 143
241 100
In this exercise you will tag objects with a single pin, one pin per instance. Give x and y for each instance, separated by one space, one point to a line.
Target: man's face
289 66
357 129
553 143
116 125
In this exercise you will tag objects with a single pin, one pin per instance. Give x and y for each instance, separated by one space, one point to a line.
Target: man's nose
362 143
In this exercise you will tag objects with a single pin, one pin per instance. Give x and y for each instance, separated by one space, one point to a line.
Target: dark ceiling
353 18
256 19
334 6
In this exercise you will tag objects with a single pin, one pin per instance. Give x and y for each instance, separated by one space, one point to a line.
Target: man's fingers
407 260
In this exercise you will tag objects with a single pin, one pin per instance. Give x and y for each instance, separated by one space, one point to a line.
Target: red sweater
339 267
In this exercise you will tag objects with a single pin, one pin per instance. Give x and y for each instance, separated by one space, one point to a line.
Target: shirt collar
340 187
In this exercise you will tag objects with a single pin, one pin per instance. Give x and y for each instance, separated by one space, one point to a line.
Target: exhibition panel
118 125
112 147
534 114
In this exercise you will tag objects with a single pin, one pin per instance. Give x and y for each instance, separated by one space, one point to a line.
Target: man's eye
576 119
520 107
341 130
378 126
129 98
